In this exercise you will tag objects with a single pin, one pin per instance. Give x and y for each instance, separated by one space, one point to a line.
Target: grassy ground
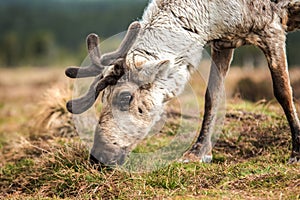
41 157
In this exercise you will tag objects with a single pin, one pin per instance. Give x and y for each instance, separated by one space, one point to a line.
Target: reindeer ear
152 70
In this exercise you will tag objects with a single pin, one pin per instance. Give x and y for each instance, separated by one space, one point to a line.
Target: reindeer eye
123 100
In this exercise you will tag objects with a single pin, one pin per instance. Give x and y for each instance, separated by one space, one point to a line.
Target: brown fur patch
139 64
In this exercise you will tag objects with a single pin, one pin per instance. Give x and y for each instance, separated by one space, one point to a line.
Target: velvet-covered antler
121 52
94 53
116 58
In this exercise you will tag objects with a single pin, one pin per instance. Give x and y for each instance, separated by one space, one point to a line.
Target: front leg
202 149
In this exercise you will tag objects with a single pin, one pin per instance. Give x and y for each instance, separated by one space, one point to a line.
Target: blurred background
40 38
52 32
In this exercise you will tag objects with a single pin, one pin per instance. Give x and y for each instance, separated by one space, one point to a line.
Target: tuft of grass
53 115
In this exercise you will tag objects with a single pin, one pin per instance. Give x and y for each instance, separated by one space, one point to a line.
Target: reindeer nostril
140 110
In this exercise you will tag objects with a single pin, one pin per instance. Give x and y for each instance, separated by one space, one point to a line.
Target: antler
95 68
78 106
115 58
121 52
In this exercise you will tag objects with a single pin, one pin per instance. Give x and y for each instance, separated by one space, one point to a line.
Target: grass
41 157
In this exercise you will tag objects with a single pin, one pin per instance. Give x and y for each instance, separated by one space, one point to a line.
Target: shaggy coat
160 56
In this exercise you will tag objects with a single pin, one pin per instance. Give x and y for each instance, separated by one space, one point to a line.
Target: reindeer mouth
108 158
95 161
97 164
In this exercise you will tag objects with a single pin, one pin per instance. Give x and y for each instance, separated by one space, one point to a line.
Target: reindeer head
132 97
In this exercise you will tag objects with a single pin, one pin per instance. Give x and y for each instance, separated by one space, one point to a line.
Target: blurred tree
40 48
249 56
293 48
67 23
10 51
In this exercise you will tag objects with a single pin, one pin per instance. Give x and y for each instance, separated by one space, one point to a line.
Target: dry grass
256 84
41 157
53 115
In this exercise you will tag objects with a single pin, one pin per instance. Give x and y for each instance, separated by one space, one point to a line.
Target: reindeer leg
202 149
274 50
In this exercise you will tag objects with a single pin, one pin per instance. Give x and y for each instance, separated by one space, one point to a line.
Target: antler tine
92 41
95 68
80 105
128 41
83 72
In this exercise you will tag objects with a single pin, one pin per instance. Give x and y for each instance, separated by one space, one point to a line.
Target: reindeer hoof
295 157
207 158
191 157
294 160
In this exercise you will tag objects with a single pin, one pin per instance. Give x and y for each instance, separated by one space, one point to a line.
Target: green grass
244 168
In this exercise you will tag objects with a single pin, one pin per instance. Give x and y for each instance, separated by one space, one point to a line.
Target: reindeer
158 55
